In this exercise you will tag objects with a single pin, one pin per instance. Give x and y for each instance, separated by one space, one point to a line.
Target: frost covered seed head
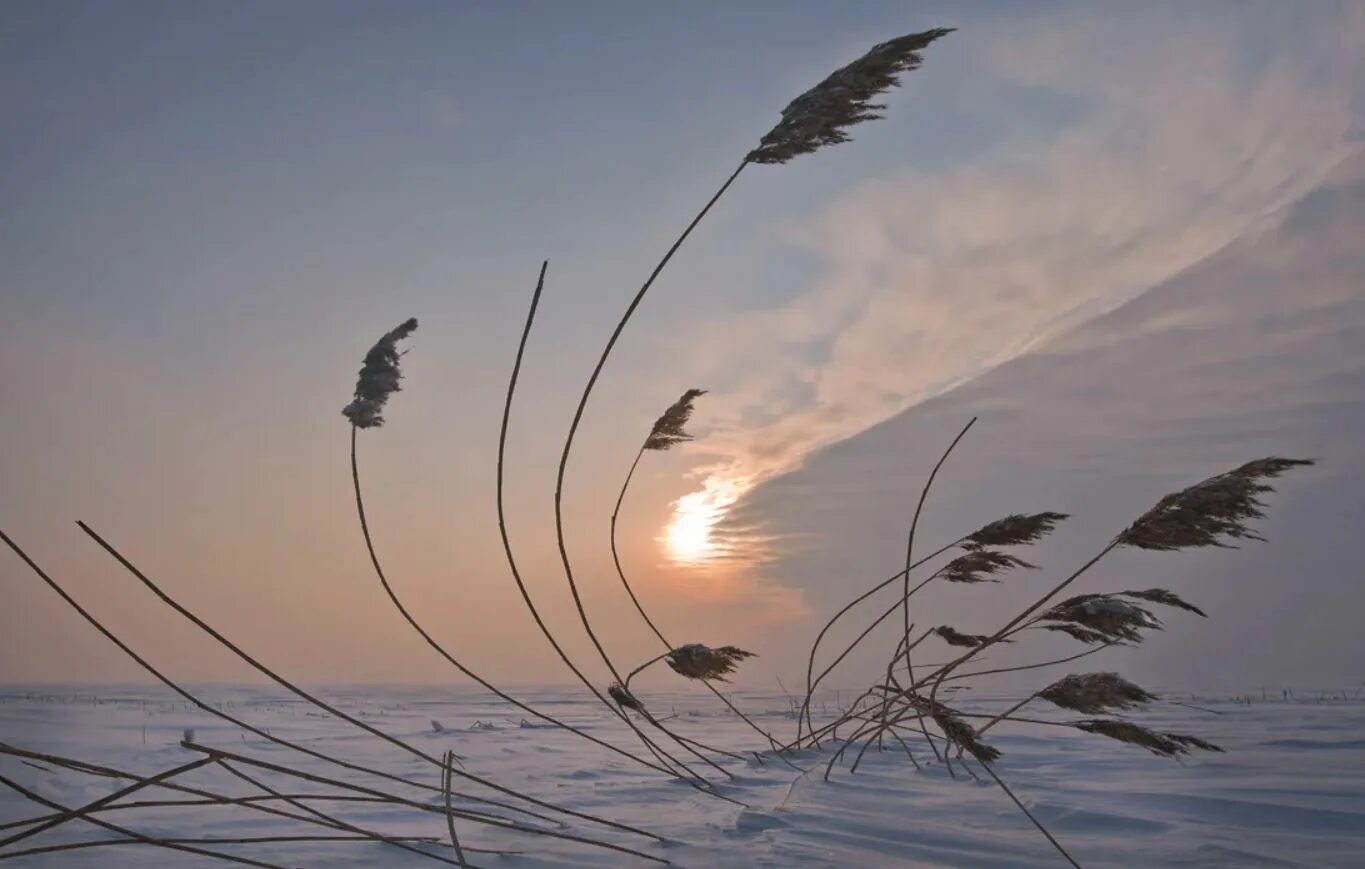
1093 693
696 661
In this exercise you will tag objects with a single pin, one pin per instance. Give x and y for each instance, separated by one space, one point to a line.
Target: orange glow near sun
690 536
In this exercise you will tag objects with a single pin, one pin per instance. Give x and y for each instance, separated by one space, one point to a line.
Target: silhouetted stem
658 751
582 405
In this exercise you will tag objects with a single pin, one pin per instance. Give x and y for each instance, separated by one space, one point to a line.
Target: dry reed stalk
319 703
446 775
187 695
817 118
329 820
34 797
209 797
663 757
86 809
887 76
669 430
503 823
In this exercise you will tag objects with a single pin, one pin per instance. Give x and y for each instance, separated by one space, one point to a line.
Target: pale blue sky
210 210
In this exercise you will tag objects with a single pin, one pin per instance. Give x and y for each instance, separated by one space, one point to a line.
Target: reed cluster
908 704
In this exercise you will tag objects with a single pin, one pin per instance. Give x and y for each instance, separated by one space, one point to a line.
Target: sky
1124 237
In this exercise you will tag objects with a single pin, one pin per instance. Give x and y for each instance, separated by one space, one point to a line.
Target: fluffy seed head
669 428
955 729
1015 530
980 565
821 115
1093 693
696 661
378 379
1095 618
623 697
1163 744
1211 512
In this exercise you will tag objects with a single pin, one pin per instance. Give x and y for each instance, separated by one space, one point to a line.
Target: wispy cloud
1189 134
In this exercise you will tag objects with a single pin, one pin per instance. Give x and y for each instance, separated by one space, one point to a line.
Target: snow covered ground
1290 791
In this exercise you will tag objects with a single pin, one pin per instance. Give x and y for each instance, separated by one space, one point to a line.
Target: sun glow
691 534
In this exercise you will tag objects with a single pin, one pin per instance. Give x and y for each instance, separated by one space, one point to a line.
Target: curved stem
658 752
200 704
319 703
620 572
910 541
578 417
939 675
810 662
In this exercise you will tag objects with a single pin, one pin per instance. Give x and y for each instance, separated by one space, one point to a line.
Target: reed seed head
1211 512
1163 744
1015 530
980 565
1092 693
955 729
821 115
669 428
623 697
379 377
696 661
1100 618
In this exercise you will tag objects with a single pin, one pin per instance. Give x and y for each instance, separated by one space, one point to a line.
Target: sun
690 536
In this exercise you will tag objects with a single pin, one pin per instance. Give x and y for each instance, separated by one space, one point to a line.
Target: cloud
1188 137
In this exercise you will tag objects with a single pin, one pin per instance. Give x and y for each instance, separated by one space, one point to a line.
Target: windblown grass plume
958 731
379 377
1163 744
696 661
1208 512
1015 530
980 565
669 429
1092 693
1094 618
821 115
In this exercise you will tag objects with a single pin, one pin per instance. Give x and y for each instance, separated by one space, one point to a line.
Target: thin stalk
810 663
942 673
1009 793
620 572
910 540
699 782
315 701
326 819
191 698
361 789
582 405
124 831
446 775
72 814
